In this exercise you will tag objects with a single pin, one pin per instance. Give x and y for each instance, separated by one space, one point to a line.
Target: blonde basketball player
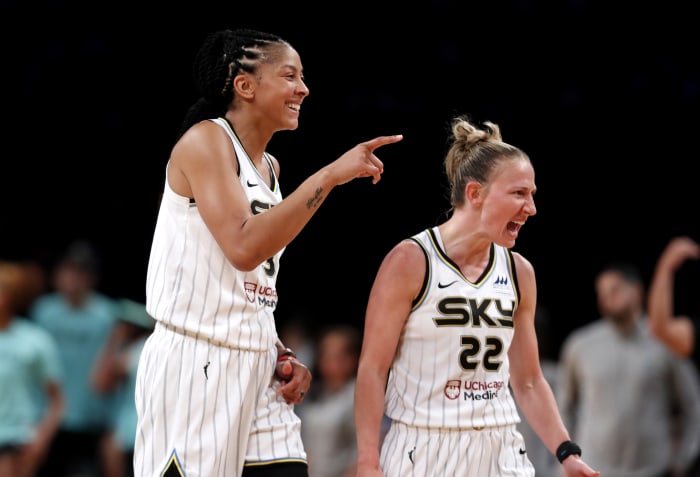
450 326
208 404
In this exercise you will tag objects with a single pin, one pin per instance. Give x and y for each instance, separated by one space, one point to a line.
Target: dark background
603 98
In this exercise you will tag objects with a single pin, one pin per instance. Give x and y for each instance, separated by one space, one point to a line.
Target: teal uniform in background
28 362
80 335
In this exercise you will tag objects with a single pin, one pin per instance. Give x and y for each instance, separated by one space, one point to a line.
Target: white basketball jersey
192 287
451 369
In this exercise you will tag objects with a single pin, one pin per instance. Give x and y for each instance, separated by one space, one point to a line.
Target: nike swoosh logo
440 285
522 451
249 184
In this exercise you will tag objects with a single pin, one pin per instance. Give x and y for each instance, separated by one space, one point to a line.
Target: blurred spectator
545 463
622 393
35 285
115 372
29 366
294 334
680 332
327 414
80 319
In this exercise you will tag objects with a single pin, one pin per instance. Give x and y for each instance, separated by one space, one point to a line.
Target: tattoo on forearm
316 199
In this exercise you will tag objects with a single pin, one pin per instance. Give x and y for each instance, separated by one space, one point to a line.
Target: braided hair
222 56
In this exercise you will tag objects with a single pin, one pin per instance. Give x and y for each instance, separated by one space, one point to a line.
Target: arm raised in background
676 332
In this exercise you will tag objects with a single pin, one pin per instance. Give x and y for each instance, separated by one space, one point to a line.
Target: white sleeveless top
451 368
191 286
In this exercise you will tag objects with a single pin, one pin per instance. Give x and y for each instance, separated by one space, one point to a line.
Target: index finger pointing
382 140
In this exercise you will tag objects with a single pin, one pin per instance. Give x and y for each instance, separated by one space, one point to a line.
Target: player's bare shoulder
406 264
525 272
203 152
408 254
205 139
523 266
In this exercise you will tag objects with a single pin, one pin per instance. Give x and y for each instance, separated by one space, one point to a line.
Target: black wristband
566 449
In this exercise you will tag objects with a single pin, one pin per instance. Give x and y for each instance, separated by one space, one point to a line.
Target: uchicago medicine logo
266 296
473 390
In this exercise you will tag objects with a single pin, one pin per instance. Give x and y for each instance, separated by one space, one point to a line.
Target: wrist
286 355
368 460
566 449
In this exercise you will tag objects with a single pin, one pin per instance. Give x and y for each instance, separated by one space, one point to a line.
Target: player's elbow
243 263
656 325
526 381
245 247
244 258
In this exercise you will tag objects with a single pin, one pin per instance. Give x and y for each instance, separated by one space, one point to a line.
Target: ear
244 86
473 192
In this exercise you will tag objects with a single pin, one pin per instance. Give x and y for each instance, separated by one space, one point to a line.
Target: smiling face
278 87
507 201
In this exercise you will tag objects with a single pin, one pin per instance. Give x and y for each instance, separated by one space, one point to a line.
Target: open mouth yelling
514 227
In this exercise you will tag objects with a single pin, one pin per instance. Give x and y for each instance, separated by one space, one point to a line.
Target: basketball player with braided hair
209 396
450 327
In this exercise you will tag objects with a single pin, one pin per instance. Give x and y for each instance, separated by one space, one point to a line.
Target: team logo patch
250 289
261 295
452 388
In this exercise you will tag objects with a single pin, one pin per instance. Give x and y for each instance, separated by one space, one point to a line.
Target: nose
303 89
530 207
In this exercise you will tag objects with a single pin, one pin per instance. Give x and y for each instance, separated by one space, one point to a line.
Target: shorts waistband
192 334
499 427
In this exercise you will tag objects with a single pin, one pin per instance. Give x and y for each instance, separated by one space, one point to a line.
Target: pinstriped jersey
191 285
451 369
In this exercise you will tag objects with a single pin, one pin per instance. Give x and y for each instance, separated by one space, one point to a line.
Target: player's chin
290 121
507 242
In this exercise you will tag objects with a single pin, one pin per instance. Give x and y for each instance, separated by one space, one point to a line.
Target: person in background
295 335
79 318
30 374
449 330
678 332
328 429
115 372
622 393
216 389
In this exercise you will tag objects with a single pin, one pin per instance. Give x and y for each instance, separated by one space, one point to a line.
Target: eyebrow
292 67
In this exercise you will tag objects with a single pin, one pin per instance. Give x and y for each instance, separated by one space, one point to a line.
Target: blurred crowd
68 358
